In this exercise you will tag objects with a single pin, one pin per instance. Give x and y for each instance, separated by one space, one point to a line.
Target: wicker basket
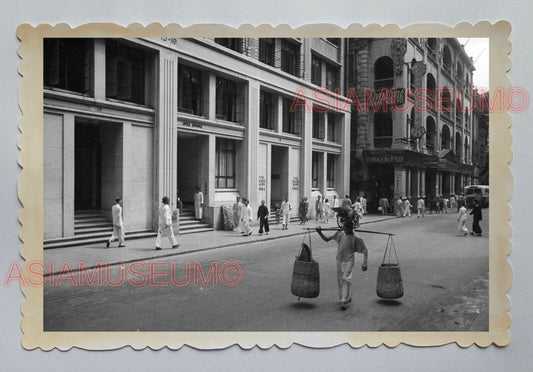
389 283
305 279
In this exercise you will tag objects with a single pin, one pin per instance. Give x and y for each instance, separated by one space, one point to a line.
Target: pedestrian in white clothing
246 218
118 224
198 204
461 219
165 225
237 215
420 205
286 208
406 208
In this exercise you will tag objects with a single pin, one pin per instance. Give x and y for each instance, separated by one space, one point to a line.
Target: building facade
139 119
417 139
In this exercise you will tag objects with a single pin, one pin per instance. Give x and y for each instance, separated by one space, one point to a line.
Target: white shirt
286 207
247 213
165 217
199 198
335 203
116 211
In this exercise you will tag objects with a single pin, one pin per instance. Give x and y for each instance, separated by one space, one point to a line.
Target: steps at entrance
272 218
93 227
188 225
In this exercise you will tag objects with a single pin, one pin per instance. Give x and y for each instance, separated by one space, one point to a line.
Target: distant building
425 150
144 118
480 139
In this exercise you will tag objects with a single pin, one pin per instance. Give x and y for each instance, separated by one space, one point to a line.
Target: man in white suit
118 224
165 225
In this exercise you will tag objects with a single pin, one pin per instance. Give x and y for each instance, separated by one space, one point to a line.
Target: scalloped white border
31 217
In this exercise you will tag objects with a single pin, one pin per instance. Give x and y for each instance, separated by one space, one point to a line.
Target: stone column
408 184
251 141
99 69
452 183
342 182
69 123
306 153
422 183
400 178
166 132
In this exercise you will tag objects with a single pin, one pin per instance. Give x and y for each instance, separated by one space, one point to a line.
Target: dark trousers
263 223
475 226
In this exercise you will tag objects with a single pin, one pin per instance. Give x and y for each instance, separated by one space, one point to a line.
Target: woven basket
389 283
305 279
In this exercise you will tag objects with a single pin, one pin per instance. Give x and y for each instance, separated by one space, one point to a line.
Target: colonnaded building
263 119
144 118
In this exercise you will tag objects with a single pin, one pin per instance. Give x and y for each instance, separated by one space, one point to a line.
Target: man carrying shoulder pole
348 244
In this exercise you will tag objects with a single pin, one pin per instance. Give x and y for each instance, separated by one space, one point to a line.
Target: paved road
445 280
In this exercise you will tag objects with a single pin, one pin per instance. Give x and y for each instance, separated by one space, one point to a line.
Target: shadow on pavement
389 302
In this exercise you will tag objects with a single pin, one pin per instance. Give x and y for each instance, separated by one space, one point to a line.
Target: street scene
265 184
445 279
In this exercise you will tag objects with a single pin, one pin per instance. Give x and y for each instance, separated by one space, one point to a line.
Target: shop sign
295 183
262 183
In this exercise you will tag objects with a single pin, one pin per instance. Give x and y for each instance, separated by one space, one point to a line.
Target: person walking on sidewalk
198 204
165 225
407 208
118 224
348 243
477 216
303 210
237 212
319 209
420 205
461 219
286 208
246 218
262 216
399 207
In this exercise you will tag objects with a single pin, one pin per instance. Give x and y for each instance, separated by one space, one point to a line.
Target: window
331 127
314 170
289 57
318 125
125 73
383 73
447 60
331 77
266 110
430 134
431 86
446 102
292 119
334 40
445 138
382 130
189 90
225 163
68 64
351 68
229 104
232 43
266 51
316 70
330 176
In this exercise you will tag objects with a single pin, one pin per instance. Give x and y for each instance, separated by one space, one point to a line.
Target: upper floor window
383 73
316 70
68 64
335 41
289 57
266 110
351 68
232 43
126 73
292 118
318 125
331 77
332 127
382 130
267 50
190 90
447 59
229 103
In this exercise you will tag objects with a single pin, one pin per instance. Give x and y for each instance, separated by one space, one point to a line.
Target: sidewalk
143 249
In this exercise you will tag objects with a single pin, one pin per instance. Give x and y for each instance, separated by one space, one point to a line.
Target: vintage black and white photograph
266 184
